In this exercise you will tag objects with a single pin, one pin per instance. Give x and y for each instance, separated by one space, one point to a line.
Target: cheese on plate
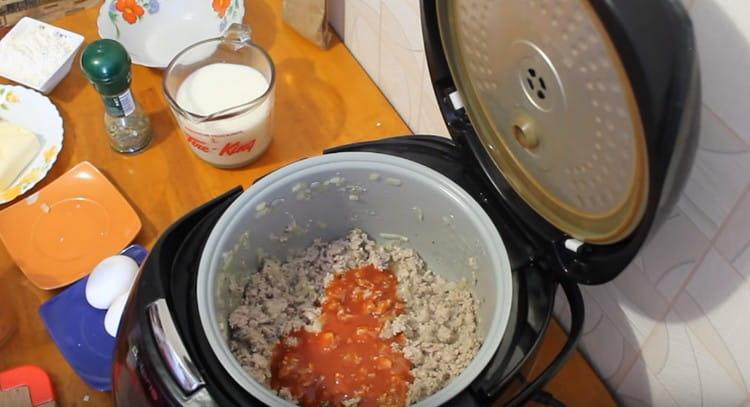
18 147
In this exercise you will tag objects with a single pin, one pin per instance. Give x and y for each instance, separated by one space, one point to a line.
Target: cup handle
238 35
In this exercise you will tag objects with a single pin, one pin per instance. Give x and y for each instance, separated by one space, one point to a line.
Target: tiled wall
385 36
673 329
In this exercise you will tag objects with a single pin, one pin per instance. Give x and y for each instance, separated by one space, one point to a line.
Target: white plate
34 111
154 31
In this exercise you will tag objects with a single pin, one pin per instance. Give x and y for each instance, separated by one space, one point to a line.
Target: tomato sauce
347 358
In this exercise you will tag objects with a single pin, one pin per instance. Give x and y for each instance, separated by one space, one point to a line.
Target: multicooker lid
573 111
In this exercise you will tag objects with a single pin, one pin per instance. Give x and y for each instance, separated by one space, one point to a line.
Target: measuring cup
233 136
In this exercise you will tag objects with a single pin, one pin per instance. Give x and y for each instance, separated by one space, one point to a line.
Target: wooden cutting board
20 397
16 397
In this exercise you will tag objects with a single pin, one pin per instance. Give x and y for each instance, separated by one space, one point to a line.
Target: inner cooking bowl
325 197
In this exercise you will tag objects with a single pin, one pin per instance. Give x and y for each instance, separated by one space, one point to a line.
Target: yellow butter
18 146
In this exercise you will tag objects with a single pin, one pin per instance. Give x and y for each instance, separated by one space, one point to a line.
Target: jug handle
238 35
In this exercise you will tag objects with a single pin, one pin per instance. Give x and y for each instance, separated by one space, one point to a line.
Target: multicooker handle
171 348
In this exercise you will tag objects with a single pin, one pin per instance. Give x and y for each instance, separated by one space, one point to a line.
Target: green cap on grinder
106 64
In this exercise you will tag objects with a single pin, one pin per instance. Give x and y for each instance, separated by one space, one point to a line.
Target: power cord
547 399
575 300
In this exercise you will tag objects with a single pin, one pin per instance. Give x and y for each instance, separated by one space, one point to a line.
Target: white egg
110 279
113 315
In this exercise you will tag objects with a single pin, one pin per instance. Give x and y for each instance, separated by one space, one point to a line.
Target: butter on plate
18 147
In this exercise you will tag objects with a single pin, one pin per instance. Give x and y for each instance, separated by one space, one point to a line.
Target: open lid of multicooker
583 114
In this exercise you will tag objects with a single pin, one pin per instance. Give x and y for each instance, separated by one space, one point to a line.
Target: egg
110 279
114 314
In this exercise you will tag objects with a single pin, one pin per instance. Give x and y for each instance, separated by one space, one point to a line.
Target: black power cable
544 398
577 313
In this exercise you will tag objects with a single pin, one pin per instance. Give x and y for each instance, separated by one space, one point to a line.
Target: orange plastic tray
58 234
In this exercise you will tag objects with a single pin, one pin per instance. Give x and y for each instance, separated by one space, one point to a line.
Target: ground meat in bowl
437 328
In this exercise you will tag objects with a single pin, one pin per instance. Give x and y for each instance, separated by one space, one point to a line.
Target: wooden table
324 98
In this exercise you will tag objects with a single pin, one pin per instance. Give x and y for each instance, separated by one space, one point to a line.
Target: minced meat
439 323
